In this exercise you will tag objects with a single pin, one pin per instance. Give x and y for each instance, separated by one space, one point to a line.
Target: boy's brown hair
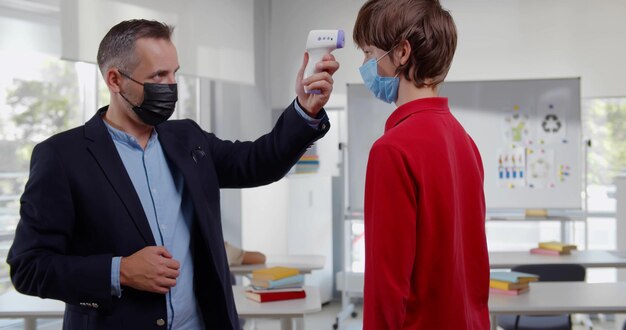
428 28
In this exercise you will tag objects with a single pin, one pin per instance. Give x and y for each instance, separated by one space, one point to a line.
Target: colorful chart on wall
535 159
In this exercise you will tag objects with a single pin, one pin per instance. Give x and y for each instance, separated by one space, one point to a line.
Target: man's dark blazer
80 209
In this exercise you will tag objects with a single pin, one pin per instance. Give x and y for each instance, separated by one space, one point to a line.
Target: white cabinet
309 228
292 217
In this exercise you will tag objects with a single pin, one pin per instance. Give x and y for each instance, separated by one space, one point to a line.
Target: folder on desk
287 282
548 252
274 273
503 285
557 246
513 277
515 292
275 296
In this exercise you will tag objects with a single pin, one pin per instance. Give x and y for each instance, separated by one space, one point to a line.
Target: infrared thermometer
318 44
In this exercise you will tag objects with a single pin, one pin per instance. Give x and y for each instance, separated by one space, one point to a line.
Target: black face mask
159 101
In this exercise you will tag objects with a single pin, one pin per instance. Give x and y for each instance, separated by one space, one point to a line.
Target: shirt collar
435 104
127 139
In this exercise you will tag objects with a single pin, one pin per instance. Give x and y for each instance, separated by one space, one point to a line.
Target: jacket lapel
103 150
181 156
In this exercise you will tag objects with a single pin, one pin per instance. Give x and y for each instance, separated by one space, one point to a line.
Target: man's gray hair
117 48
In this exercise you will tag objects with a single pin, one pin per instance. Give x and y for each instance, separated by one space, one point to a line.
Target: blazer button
160 322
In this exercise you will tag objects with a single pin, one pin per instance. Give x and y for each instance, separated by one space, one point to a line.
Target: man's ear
112 79
404 51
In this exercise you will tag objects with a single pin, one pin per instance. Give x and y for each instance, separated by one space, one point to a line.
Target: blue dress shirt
160 189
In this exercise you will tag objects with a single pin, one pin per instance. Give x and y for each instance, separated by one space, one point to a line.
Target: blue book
287 282
513 277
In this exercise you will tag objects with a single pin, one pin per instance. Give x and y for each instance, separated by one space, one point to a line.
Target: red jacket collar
409 108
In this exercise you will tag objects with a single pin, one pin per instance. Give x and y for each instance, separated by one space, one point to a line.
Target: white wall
214 38
291 21
242 112
498 39
543 39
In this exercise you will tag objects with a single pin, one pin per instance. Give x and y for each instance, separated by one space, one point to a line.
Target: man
120 218
426 260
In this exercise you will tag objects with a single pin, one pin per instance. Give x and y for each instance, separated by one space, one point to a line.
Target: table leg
286 323
299 323
30 323
494 323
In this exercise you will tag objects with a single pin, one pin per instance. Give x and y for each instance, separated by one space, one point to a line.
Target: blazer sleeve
250 164
40 265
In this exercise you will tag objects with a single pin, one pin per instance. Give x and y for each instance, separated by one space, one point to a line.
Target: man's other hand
149 269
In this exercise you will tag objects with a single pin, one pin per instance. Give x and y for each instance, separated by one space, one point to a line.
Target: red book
547 252
508 292
275 296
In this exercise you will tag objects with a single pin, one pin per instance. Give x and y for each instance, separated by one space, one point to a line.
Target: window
604 123
39 96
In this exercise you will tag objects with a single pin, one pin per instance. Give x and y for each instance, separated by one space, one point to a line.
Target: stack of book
276 283
309 162
553 248
510 283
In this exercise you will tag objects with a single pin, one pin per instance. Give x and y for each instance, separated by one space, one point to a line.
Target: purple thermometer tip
341 38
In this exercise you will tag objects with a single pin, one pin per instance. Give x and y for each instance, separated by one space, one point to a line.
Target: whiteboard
528 133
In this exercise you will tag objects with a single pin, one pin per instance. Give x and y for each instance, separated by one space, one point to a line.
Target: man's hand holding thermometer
314 82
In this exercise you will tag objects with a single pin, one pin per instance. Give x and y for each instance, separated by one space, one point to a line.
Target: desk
16 305
585 258
304 263
545 298
286 310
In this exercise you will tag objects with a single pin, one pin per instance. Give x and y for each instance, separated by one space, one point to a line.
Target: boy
425 247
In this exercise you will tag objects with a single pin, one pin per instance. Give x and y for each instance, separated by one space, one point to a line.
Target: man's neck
117 118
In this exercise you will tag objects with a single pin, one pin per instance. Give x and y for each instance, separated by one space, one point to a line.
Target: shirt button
95 305
160 322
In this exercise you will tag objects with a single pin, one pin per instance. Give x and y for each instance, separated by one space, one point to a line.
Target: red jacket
426 261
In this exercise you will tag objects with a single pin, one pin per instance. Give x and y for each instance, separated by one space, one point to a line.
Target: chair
547 273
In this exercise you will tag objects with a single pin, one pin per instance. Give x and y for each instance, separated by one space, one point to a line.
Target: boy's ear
112 79
404 51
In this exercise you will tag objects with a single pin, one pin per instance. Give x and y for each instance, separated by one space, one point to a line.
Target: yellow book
512 277
528 279
274 273
557 246
507 285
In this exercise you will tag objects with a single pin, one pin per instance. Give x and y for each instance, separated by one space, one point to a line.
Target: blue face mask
384 88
